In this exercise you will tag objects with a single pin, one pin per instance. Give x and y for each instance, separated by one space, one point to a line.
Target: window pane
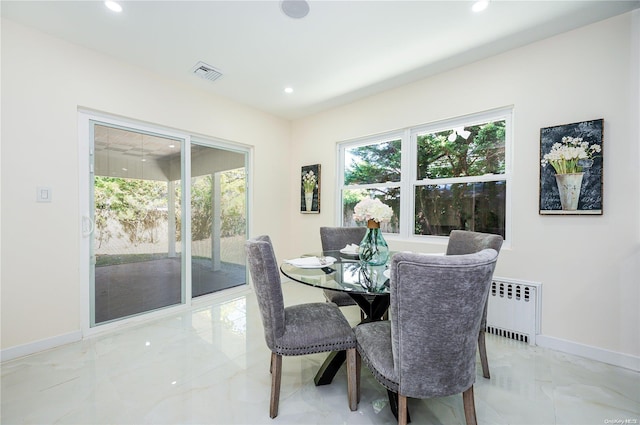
478 207
376 163
218 219
389 196
136 269
464 151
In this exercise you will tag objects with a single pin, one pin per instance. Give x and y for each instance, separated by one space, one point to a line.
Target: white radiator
514 309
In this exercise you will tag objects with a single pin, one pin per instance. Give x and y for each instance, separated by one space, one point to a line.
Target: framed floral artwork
310 189
571 168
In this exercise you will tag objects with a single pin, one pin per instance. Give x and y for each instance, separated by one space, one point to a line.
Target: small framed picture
310 189
571 168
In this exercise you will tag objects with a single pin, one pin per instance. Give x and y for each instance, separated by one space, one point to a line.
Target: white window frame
408 177
372 140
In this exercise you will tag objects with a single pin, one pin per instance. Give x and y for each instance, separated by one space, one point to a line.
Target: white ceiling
340 52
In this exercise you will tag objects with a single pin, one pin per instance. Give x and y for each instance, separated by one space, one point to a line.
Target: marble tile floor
211 366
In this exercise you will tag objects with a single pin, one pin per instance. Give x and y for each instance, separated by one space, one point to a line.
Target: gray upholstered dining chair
334 239
465 242
298 329
428 348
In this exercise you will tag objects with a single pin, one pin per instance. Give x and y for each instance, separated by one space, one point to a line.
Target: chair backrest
436 308
464 242
266 281
336 238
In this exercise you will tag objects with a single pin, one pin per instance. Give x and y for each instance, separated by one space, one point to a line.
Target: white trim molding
40 345
614 358
17 351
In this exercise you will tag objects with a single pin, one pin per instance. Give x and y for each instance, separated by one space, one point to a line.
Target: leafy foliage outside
482 152
467 206
376 163
233 219
439 208
140 207
201 208
233 204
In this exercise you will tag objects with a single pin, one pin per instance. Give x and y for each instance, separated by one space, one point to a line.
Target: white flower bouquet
571 155
372 209
309 181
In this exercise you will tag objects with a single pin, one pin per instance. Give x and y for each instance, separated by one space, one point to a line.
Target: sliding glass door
147 251
218 219
137 268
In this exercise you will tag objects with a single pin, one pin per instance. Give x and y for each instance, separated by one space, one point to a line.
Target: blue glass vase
373 248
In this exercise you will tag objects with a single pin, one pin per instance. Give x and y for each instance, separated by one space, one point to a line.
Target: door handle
87 226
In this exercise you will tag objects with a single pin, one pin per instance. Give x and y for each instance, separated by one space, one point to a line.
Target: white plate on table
311 262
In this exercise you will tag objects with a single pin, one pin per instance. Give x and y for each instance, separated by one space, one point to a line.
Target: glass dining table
367 285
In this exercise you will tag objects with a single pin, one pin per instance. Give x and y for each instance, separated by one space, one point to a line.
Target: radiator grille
514 309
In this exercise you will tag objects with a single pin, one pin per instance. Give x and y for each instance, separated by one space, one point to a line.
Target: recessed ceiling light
172 146
480 5
112 5
288 90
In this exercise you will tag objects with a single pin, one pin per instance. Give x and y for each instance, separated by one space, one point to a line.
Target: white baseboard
626 361
56 341
37 346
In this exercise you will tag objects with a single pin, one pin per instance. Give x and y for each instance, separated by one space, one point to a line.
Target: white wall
44 82
588 265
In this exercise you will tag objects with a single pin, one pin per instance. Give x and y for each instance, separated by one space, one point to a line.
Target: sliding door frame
86 119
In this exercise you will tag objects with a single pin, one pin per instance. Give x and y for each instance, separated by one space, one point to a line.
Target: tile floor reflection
211 366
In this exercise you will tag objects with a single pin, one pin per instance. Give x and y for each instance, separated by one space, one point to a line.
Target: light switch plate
43 194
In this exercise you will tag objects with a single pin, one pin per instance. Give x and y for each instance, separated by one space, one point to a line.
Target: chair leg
358 364
469 406
483 355
351 379
402 410
276 375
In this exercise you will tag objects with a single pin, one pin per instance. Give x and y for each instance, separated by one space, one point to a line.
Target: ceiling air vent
207 72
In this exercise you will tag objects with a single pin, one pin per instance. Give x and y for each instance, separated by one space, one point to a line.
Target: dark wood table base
330 367
374 309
